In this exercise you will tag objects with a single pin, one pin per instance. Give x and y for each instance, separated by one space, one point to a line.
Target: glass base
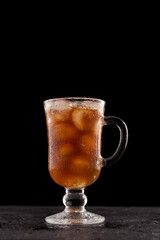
74 212
71 218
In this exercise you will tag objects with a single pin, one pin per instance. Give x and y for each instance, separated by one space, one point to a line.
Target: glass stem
74 200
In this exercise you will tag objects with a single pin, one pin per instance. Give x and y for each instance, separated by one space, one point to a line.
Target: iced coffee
74 143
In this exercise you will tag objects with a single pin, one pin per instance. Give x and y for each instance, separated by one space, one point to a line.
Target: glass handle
122 141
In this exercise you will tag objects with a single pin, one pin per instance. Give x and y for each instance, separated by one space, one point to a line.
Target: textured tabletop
26 222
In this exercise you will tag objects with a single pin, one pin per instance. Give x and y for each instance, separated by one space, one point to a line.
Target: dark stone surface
26 222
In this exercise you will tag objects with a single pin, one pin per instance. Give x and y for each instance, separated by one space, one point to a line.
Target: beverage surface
74 145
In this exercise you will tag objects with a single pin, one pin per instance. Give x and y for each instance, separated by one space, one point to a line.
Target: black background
114 62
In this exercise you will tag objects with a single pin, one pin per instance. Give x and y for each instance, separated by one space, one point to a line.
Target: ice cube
61 116
49 120
79 164
75 182
88 143
64 131
97 127
55 117
82 119
66 149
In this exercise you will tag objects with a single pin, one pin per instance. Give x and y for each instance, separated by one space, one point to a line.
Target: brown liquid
74 144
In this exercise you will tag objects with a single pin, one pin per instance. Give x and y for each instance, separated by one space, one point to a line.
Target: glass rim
74 98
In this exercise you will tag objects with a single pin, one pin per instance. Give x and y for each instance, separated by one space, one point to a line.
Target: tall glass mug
74 127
